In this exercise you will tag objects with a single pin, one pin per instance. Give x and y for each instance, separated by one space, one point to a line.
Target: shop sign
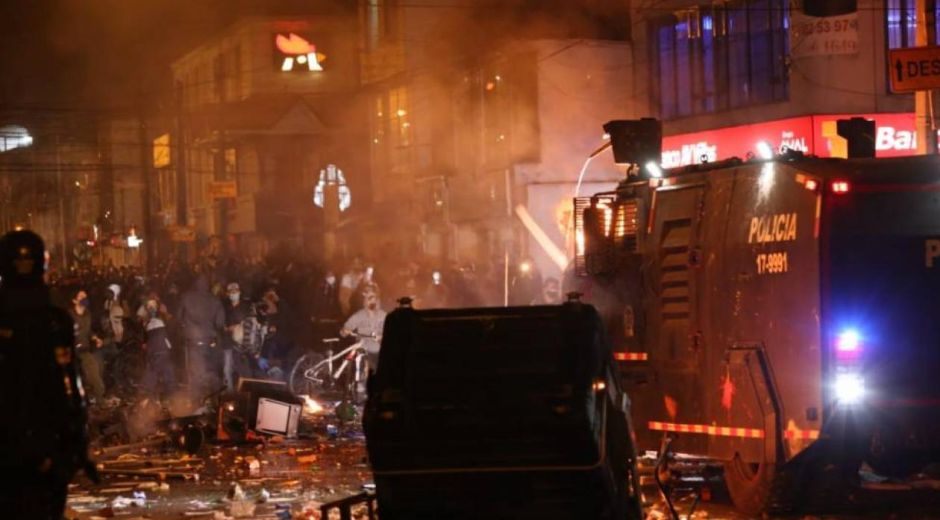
161 151
823 35
222 190
296 53
182 233
895 136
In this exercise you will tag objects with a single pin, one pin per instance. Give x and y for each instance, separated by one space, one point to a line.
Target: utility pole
61 197
181 209
145 162
221 175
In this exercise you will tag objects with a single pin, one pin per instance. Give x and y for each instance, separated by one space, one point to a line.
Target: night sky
101 54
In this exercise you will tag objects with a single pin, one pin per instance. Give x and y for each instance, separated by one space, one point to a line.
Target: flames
310 405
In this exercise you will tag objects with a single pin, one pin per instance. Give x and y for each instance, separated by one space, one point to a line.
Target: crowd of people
199 327
183 329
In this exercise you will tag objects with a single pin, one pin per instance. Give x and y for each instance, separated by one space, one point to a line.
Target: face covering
331 280
234 297
84 302
372 306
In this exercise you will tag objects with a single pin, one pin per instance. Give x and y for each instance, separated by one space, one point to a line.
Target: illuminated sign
12 136
161 151
332 176
895 136
296 53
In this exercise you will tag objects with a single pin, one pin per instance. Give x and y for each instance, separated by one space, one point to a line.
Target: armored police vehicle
766 313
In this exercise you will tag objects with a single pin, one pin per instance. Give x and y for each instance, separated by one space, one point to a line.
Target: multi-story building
262 109
477 109
726 75
51 182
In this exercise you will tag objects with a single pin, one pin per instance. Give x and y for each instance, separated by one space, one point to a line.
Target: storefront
895 136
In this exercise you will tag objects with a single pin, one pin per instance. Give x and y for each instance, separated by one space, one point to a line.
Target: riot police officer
44 438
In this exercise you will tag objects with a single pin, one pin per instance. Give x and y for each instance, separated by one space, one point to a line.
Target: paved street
280 478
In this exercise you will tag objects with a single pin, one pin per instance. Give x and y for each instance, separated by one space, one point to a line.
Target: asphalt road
272 478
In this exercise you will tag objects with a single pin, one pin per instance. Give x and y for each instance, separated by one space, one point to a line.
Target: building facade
477 111
723 76
263 110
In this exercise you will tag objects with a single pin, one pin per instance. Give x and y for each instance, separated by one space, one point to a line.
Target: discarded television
277 417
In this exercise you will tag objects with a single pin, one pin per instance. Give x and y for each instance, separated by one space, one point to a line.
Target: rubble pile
263 477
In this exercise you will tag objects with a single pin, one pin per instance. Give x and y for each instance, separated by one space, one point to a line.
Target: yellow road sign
915 68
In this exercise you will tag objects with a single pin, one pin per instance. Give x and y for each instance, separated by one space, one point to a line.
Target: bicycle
339 374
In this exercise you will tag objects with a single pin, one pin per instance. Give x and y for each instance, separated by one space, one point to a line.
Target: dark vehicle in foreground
777 315
500 413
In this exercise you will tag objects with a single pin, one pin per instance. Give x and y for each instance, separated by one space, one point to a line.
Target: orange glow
294 45
811 185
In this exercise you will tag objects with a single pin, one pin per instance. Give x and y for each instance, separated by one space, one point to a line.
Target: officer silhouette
43 441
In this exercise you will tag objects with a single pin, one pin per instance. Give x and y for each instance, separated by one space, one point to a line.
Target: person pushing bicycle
367 324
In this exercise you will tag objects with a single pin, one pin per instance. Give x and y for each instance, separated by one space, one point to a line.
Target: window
901 18
719 57
392 133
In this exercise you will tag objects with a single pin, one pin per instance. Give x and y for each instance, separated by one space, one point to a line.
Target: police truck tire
751 486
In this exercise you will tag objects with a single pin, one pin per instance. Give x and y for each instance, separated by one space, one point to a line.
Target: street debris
264 476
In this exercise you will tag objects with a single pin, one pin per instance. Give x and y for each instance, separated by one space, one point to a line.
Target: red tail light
840 187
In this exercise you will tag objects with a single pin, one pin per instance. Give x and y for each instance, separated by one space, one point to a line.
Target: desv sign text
916 68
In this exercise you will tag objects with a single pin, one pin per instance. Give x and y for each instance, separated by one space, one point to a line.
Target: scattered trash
868 475
885 486
254 466
332 431
926 484
164 488
116 490
242 508
236 492
264 496
121 502
310 511
307 459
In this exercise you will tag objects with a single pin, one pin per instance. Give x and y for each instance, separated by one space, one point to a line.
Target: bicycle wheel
310 376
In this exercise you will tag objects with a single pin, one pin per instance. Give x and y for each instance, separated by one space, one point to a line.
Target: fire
294 45
311 406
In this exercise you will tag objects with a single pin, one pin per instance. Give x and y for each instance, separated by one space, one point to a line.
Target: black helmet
22 259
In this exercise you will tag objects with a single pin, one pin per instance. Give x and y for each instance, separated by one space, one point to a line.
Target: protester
159 378
201 317
87 345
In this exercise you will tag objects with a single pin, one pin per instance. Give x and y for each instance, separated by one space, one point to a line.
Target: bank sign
895 136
